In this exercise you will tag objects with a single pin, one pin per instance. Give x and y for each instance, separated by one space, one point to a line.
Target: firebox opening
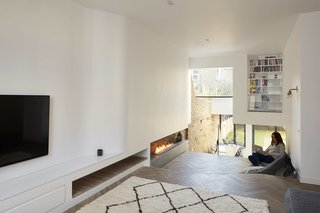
162 148
168 148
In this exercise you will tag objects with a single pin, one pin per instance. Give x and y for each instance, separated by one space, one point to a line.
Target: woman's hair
278 138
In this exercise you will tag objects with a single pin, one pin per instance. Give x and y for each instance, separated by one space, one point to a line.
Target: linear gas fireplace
168 148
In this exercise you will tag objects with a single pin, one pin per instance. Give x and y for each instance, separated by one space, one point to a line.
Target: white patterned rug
144 195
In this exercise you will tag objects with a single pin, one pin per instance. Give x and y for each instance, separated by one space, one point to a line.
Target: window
240 134
213 82
226 124
262 135
232 133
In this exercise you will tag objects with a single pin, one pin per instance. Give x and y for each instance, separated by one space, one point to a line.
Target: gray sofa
302 201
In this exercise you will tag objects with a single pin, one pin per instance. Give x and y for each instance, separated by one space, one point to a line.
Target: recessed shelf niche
96 178
265 83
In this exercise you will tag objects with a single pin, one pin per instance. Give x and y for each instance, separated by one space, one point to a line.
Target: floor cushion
280 167
301 201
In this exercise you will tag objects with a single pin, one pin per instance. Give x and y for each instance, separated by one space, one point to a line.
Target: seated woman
273 152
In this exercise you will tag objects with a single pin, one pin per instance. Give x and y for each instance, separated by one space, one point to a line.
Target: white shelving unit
57 188
265 83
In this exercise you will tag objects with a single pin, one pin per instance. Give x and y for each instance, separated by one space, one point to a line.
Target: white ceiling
206 27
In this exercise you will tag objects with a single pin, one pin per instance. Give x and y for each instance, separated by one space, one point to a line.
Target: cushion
280 167
301 201
251 169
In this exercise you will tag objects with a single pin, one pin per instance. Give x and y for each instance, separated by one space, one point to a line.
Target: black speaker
100 152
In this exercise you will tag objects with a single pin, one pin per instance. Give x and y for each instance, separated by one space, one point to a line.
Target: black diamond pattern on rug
167 198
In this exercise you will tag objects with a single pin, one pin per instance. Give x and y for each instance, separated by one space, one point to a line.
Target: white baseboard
310 180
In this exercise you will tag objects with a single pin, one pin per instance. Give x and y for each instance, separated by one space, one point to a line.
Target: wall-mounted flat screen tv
24 127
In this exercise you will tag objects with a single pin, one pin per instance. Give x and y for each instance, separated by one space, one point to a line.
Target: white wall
292 75
223 106
85 59
72 54
99 55
310 119
35 58
157 87
303 54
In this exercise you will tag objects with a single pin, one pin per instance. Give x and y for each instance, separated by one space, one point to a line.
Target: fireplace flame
162 147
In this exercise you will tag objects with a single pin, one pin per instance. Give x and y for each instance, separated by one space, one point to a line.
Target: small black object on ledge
100 152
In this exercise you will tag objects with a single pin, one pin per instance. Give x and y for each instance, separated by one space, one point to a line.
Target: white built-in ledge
92 180
85 165
62 186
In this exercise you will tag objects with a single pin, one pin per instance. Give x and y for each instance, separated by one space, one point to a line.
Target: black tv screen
24 127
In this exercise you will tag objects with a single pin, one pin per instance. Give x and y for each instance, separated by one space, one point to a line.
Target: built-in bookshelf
265 83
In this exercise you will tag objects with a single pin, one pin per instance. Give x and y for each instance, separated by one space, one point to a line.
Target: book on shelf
258 83
258 98
265 98
257 69
265 90
252 90
257 105
252 100
264 82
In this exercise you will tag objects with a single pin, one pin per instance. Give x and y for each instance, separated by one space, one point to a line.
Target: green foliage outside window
262 135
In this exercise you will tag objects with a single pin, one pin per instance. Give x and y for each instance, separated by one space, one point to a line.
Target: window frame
275 129
196 81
